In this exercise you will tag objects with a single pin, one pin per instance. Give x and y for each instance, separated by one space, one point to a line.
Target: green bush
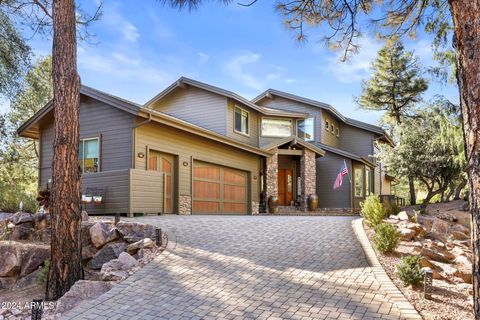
410 271
43 275
372 210
391 208
10 202
386 238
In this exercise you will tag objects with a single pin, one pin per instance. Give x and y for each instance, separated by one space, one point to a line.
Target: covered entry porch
289 175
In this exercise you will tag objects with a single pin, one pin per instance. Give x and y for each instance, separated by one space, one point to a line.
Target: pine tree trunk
66 262
466 18
413 196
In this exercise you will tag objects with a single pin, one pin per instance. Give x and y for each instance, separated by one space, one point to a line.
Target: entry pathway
260 267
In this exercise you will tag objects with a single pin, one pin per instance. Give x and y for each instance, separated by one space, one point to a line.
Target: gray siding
253 125
328 168
202 108
357 141
328 137
116 184
97 119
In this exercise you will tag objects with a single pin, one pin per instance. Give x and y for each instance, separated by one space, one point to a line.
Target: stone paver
258 267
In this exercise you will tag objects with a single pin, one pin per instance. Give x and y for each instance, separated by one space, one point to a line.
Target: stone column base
185 205
255 208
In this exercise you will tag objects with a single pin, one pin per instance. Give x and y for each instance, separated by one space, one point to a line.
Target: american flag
339 179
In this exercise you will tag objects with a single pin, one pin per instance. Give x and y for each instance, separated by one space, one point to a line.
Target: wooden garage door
218 190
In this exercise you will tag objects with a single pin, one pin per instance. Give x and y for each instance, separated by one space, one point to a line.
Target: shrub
10 202
385 238
372 210
43 275
391 208
410 271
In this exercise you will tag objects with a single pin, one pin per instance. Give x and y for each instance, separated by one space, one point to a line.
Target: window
306 129
326 125
88 155
338 132
368 182
241 120
359 181
276 127
332 128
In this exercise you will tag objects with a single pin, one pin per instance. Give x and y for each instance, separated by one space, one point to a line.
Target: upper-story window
276 127
306 129
338 132
241 120
88 155
327 125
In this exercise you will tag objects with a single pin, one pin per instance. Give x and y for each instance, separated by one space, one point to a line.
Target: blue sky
141 47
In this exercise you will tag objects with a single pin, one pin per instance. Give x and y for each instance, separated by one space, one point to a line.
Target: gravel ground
449 301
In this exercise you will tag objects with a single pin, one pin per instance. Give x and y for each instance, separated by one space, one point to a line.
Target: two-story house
198 149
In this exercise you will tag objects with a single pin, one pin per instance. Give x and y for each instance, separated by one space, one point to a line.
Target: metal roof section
348 155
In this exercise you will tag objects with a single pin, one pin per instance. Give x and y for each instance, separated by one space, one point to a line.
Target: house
199 149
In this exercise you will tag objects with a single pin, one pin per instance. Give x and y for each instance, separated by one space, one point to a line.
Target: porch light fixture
185 163
141 155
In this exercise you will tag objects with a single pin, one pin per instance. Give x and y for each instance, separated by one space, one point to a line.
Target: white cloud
130 31
357 67
202 57
115 20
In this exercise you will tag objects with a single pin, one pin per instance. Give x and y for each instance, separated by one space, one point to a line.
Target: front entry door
165 164
285 187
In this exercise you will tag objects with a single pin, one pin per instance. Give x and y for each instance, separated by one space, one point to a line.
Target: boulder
446 271
23 231
393 217
102 233
5 216
116 269
406 234
135 231
40 220
85 233
33 256
437 254
425 263
7 283
88 252
84 215
82 290
21 217
439 226
142 244
461 228
10 259
447 217
465 206
457 235
403 216
29 280
109 252
463 268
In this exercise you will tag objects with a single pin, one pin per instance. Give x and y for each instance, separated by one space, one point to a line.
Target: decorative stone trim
308 177
271 176
396 296
185 204
255 208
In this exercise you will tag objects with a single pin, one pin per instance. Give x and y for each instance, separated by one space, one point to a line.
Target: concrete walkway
262 267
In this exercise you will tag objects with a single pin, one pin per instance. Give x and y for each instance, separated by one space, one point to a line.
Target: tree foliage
396 85
429 148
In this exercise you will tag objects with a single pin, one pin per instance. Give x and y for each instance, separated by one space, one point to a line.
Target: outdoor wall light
141 155
185 163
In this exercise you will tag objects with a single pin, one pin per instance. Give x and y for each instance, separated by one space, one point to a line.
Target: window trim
338 132
355 181
327 125
248 121
82 168
314 127
275 118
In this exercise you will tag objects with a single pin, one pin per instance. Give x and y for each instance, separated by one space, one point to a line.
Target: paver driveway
260 267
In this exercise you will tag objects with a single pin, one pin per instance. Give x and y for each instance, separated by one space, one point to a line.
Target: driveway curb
407 310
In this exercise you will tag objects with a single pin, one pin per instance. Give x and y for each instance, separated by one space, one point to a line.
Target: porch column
271 176
308 177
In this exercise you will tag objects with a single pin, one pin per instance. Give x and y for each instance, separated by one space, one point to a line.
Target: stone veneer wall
185 205
308 177
255 208
271 176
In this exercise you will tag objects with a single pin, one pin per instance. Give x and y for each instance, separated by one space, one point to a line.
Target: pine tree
395 86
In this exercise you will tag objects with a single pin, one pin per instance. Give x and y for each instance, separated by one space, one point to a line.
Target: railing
384 198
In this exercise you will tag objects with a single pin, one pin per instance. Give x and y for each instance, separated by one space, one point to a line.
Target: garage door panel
234 207
218 189
206 190
234 193
207 172
206 206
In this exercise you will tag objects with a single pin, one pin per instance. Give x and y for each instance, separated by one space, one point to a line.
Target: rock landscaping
110 253
441 238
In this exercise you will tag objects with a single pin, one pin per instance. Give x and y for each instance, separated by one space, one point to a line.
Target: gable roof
27 128
352 122
184 82
294 140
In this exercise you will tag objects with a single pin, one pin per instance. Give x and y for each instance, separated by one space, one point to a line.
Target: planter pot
312 202
272 204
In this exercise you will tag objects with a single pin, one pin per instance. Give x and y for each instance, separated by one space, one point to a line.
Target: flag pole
348 171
